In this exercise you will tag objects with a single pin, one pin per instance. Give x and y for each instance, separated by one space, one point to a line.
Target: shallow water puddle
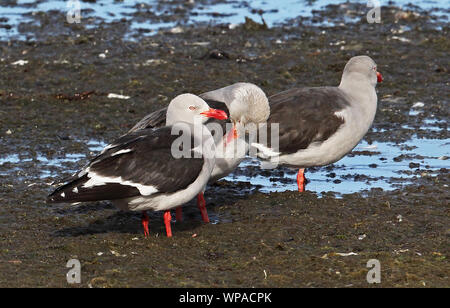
48 167
154 15
379 165
13 158
96 145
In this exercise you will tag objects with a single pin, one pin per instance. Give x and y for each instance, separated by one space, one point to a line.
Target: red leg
167 218
179 214
301 180
145 223
202 206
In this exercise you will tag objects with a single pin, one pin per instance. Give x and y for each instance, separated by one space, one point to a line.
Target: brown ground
262 240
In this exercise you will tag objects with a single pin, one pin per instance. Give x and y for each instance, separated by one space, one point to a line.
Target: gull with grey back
140 172
318 126
244 103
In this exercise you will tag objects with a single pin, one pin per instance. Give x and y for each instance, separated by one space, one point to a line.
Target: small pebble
176 30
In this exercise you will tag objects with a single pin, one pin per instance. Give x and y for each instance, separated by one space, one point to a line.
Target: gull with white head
318 126
246 104
139 171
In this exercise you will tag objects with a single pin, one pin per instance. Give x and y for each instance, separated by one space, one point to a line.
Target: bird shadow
217 195
83 208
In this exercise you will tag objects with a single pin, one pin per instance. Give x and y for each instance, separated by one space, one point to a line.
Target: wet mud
387 200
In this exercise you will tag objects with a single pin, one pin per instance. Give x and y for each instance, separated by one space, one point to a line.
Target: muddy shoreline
56 103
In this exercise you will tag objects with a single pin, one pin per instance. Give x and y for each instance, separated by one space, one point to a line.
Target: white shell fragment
118 96
20 62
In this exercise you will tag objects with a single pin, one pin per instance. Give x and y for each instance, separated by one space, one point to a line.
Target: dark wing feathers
146 159
306 115
150 162
218 105
75 192
152 120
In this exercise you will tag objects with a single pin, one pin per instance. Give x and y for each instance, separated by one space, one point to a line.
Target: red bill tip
379 77
215 113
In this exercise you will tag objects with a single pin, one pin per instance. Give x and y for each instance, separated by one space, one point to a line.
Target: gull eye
374 68
192 107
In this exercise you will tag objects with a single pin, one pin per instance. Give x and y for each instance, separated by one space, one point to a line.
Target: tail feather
68 192
75 191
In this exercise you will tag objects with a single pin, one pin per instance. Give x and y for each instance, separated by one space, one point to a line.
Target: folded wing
139 163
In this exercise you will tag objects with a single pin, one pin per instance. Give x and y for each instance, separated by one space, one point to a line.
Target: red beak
215 113
379 77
